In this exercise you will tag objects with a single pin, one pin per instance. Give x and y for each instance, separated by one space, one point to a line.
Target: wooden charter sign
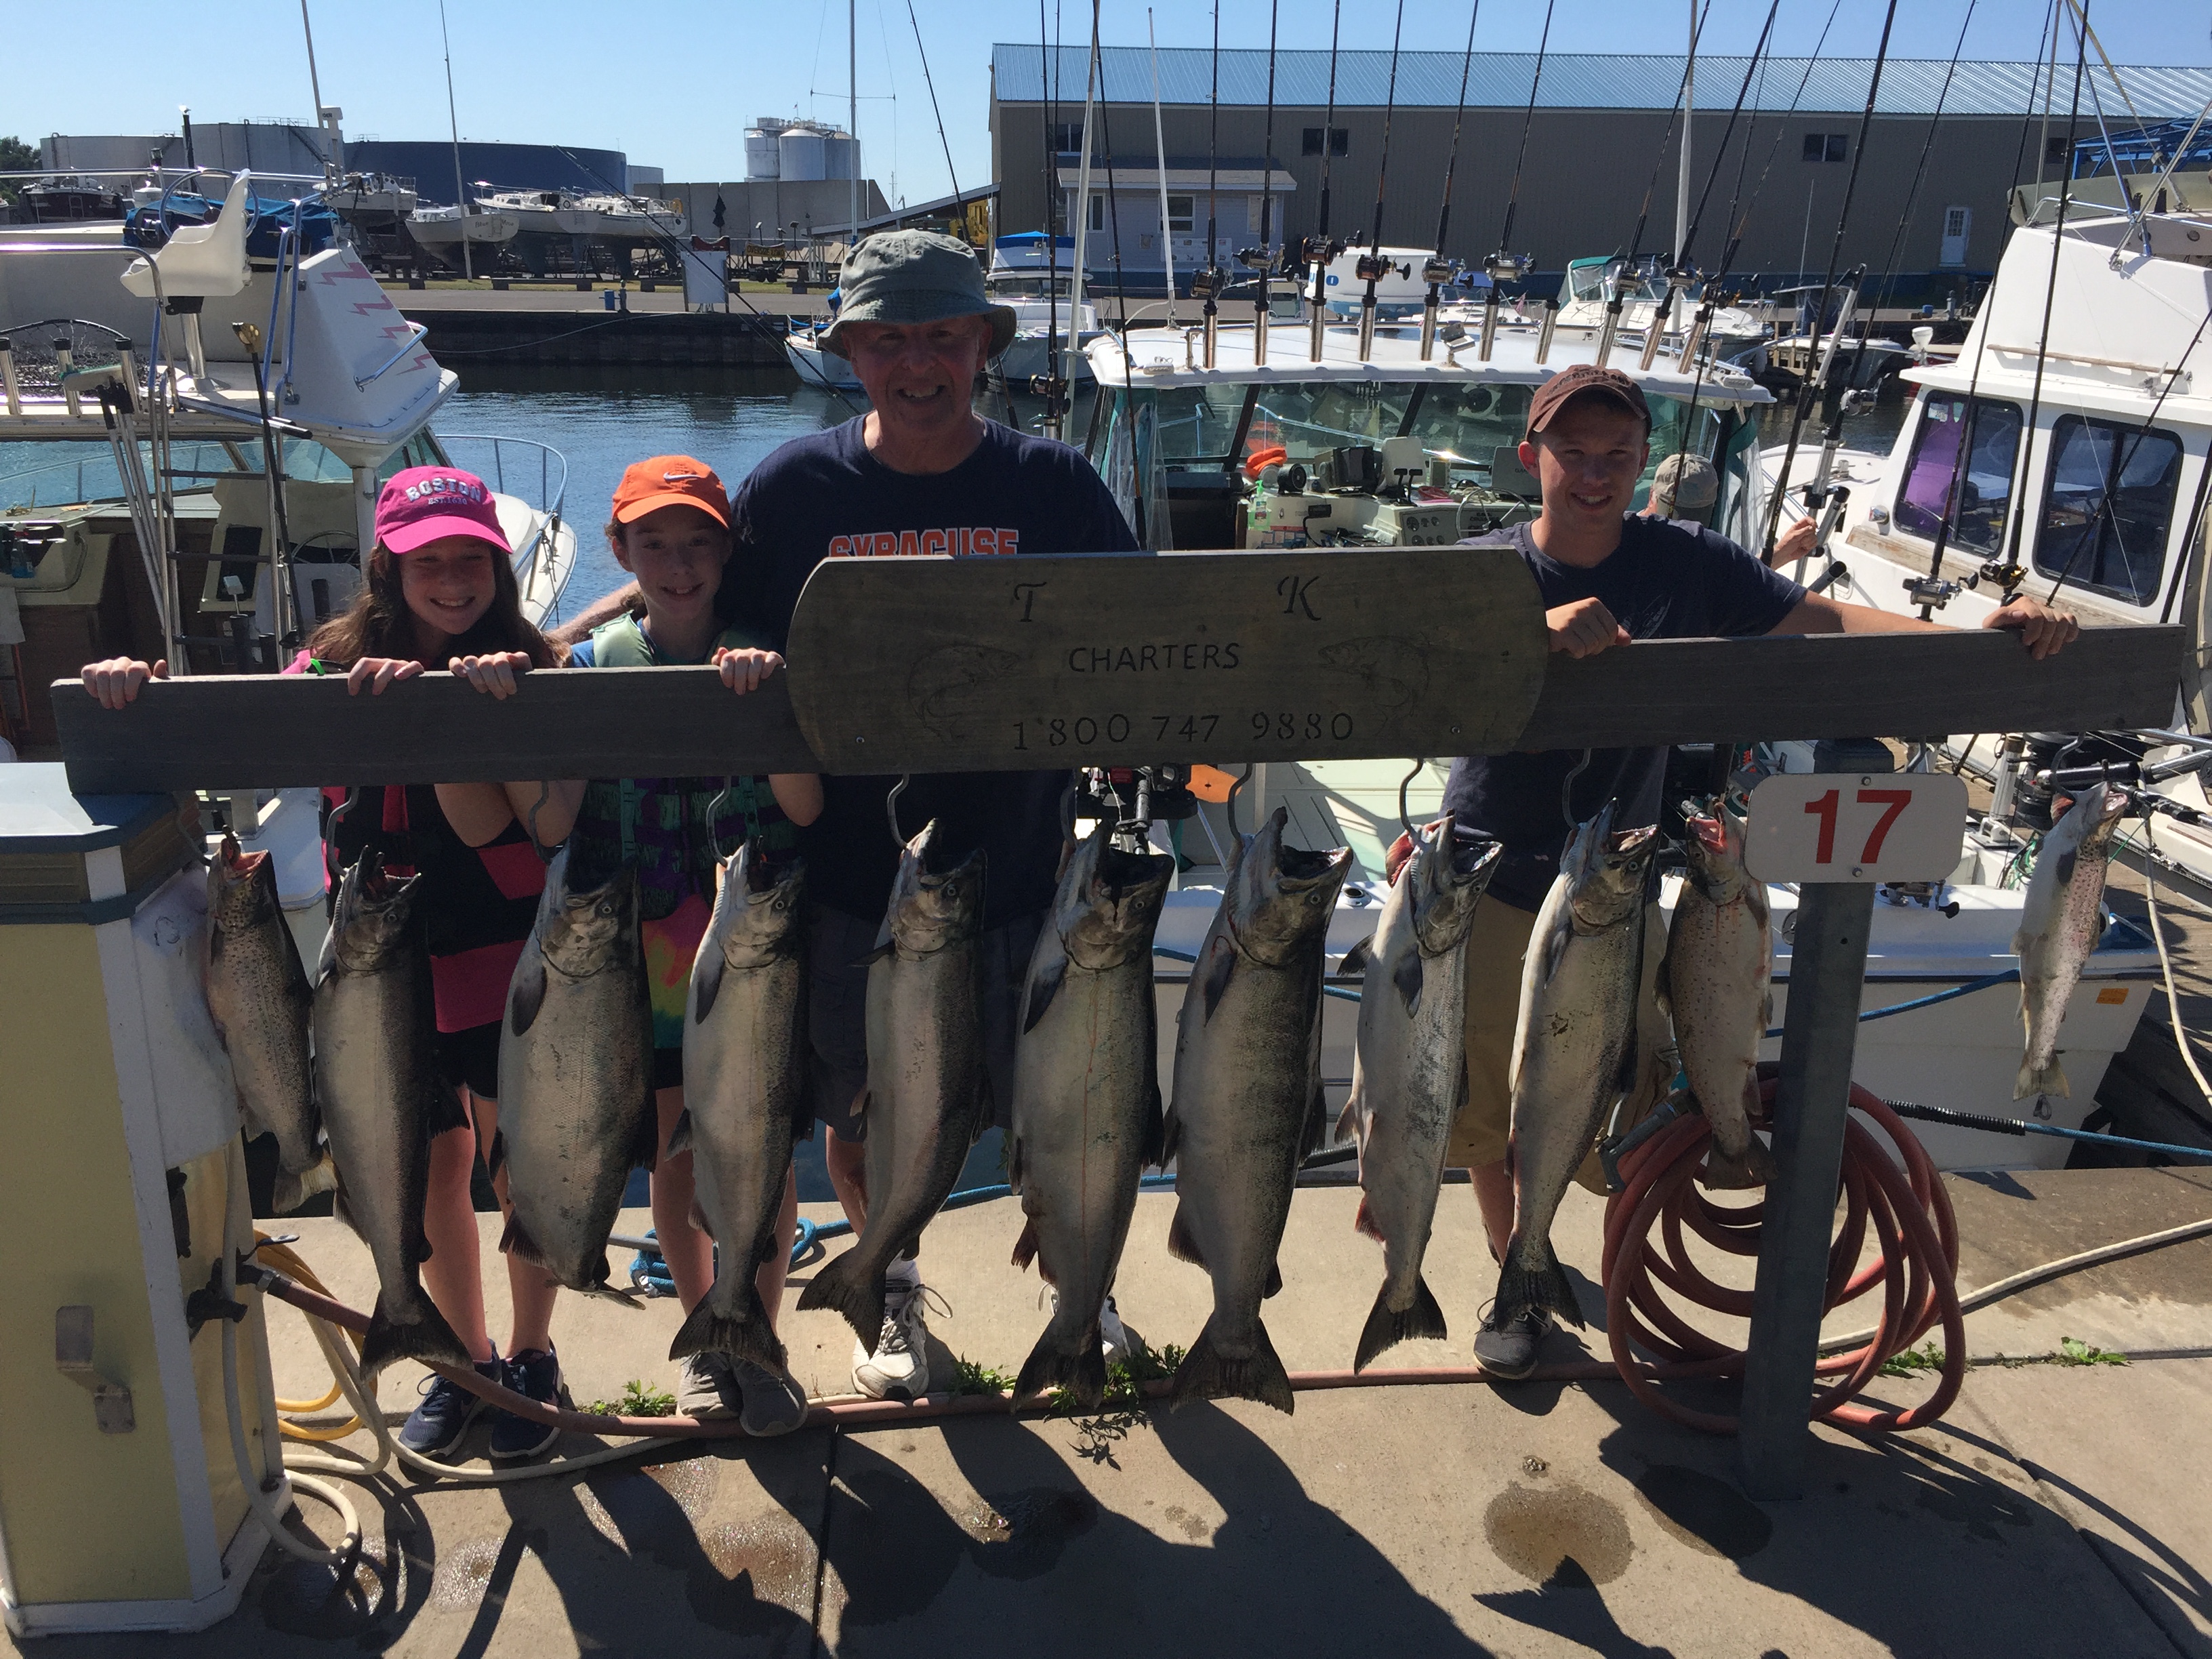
995 664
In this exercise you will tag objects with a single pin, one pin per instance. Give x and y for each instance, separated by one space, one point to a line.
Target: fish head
1110 901
241 888
759 909
1714 847
933 907
1449 872
1280 897
375 917
582 930
1608 870
2102 807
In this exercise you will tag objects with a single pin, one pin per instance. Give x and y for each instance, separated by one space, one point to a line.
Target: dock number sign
1855 827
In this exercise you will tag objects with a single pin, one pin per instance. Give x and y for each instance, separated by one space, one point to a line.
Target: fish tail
749 1338
428 1339
853 1283
2049 1078
294 1188
1525 1285
1386 1329
1206 1373
1075 1364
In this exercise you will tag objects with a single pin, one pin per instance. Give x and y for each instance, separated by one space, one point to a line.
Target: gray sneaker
705 1388
773 1402
1508 1350
897 1367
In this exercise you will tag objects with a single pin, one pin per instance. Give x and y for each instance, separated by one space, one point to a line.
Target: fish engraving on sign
937 680
1394 670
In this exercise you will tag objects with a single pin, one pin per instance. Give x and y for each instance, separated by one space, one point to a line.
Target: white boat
1395 450
1590 285
542 212
156 533
438 231
803 350
1043 306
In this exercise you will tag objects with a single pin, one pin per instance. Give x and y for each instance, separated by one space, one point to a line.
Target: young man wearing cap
920 473
1608 576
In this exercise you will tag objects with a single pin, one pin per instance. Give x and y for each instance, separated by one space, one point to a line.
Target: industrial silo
841 154
800 152
762 155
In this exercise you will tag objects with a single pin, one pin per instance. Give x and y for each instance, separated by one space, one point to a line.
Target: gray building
1599 135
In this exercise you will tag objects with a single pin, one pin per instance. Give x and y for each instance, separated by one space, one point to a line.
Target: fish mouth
1300 869
1472 854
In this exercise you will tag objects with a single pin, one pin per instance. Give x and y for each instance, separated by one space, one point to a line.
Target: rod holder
1693 339
13 388
1490 330
111 1401
65 361
1654 330
1544 329
1429 325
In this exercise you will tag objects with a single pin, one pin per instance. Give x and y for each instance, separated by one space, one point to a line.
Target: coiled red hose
1916 1269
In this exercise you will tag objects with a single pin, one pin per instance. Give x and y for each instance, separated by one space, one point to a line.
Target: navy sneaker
435 1427
536 1376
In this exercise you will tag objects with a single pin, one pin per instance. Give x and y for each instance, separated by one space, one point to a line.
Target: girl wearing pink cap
440 591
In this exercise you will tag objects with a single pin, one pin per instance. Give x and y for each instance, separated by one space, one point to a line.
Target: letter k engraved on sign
1296 592
1025 596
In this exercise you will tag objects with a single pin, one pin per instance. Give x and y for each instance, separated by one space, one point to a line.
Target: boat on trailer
1393 449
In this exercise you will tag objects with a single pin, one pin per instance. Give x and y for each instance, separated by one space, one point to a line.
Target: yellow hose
286 1261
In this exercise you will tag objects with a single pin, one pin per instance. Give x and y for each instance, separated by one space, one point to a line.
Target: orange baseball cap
670 481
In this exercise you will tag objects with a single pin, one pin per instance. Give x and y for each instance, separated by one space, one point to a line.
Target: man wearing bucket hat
1608 576
1685 486
920 472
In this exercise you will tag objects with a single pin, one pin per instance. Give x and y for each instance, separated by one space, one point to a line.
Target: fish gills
745 1073
1715 984
263 1004
1087 1107
2060 923
1247 1101
1574 1048
928 1090
378 1078
1409 1070
576 1077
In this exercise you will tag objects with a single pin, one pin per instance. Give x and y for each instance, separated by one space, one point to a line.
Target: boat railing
552 468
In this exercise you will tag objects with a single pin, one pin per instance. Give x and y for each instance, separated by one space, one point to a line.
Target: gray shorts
837 1012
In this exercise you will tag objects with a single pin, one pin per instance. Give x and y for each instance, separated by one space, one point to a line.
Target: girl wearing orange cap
670 529
440 591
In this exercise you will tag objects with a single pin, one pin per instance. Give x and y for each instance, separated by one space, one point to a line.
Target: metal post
1828 967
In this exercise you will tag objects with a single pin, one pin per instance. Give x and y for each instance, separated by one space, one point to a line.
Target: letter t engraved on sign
1294 590
1025 596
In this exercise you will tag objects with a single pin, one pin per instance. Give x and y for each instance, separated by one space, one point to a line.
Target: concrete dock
2059 1509
558 324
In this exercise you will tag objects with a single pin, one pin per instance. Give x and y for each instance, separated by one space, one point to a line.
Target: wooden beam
995 664
224 732
1834 685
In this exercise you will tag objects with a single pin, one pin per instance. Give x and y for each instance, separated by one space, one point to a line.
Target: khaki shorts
1495 944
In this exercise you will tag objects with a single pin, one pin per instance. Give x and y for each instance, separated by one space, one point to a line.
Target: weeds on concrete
2073 1351
639 1398
970 1376
1926 1357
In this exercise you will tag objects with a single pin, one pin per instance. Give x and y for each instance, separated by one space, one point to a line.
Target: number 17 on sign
1850 827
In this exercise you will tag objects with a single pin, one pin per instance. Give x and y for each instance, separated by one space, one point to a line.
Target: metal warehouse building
1598 132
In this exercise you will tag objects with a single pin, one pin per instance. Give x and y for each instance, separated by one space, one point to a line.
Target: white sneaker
1113 1336
898 1369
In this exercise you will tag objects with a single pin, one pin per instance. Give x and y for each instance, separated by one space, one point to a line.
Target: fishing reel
1318 250
1260 260
1438 272
1503 267
2005 573
1206 282
1934 591
1134 798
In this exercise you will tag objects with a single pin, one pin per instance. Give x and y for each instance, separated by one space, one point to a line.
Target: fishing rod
1120 288
1371 265
1261 260
1207 284
1504 266
1319 252
2009 574
1438 269
1807 387
1048 55
1676 279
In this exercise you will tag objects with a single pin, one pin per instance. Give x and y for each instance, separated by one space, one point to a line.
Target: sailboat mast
853 121
1689 119
315 85
1160 154
452 115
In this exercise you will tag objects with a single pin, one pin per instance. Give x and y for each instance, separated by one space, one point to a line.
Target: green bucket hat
914 276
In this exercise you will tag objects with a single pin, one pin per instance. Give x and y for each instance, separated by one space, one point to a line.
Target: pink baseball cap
424 503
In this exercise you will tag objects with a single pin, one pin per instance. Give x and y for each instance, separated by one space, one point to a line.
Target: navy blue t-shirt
823 496
1668 580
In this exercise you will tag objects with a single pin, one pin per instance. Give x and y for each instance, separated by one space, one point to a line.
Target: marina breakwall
460 337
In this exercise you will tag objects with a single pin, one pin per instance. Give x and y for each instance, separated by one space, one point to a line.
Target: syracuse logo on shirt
961 542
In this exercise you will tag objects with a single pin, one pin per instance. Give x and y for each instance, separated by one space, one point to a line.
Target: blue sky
675 85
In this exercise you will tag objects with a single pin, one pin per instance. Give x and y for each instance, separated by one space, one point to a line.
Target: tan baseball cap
1684 483
1570 383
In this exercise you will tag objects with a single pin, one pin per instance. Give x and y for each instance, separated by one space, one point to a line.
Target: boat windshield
1646 283
1000 285
1466 423
48 474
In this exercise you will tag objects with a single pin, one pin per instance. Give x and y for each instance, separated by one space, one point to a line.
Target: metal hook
1404 783
1567 789
890 809
544 794
332 871
714 814
1231 802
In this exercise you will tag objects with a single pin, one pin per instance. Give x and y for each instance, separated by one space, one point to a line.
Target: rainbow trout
2059 925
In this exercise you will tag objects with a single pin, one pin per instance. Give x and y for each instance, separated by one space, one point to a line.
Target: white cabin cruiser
1396 451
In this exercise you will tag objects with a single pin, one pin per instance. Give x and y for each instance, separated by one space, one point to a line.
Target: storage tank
762 159
799 155
841 154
